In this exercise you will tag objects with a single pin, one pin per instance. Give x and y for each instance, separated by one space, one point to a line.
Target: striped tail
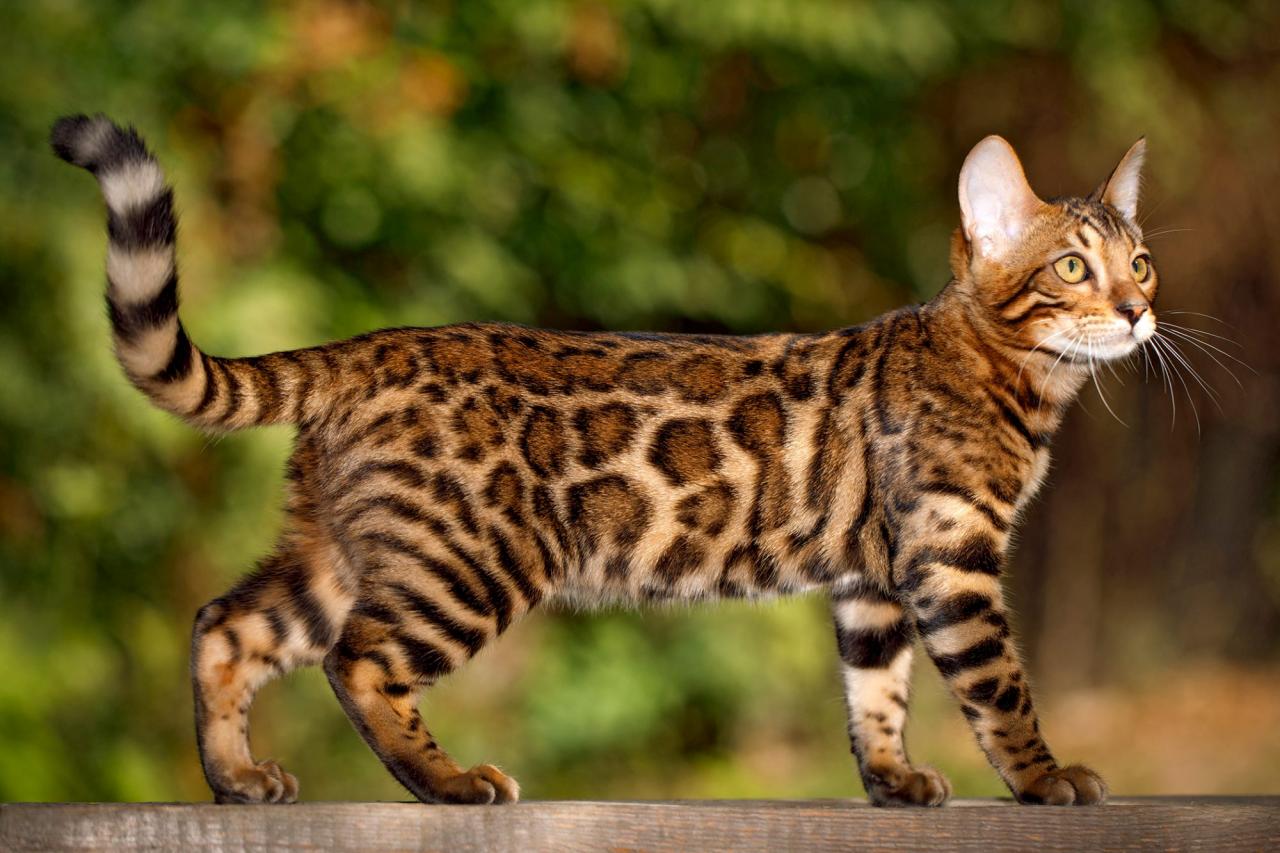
142 297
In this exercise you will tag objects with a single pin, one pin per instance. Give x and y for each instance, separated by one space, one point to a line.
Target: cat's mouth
1092 346
1109 349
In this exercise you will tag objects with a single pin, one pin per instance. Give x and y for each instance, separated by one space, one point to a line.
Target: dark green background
743 166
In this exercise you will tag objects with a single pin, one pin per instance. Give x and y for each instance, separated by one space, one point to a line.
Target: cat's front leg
951 581
874 634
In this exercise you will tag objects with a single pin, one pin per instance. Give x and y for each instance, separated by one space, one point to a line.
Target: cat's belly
753 577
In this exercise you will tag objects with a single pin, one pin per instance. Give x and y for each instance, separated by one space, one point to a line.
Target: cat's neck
966 337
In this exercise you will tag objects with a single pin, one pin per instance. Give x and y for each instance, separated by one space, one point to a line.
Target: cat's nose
1132 311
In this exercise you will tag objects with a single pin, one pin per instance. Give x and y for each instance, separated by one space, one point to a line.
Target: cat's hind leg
379 678
426 607
875 634
286 614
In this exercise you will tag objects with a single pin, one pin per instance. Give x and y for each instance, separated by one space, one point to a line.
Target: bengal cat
447 481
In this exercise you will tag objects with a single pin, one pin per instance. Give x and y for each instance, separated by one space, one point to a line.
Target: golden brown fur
447 481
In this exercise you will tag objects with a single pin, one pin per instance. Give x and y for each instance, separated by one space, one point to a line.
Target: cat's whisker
1173 344
1196 331
1070 348
1175 370
1084 344
1145 358
1135 358
1154 350
1098 386
1197 314
1195 374
1111 368
1162 232
1025 358
1146 215
1192 335
1180 365
1208 350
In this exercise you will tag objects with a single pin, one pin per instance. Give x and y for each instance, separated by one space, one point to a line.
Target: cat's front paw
481 785
264 782
908 786
1066 786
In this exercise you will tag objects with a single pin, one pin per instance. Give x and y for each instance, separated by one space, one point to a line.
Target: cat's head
1068 277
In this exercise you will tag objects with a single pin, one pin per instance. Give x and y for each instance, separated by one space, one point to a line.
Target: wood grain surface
1165 823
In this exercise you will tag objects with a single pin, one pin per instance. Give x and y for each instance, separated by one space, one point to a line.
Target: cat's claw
265 782
1075 785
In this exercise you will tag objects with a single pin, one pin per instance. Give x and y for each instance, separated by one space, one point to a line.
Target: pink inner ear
1123 188
996 201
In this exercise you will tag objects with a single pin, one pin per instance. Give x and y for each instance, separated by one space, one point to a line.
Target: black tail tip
95 142
68 135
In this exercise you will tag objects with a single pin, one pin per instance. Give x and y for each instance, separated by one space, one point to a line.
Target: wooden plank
1165 823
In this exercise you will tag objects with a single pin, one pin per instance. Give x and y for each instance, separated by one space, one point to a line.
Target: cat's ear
1122 188
996 202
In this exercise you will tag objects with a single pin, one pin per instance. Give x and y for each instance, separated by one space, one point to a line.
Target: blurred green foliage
739 166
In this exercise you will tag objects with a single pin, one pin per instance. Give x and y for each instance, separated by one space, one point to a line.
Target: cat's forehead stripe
1097 220
1102 220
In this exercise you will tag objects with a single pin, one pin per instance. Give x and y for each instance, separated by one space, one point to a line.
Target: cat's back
445 364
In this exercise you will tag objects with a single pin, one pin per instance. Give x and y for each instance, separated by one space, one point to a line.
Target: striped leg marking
954 591
285 615
874 634
378 676
428 604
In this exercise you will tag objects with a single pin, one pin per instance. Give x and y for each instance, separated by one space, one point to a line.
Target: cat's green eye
1141 268
1071 269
